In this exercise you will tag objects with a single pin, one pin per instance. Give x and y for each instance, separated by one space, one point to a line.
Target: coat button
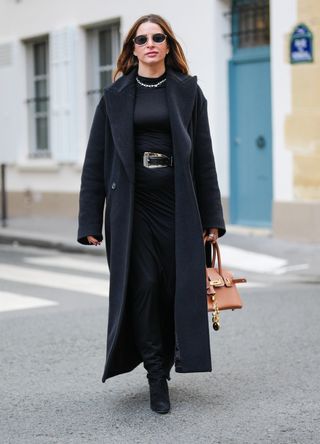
114 185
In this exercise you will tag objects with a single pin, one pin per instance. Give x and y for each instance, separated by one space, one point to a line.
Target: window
250 23
103 51
38 100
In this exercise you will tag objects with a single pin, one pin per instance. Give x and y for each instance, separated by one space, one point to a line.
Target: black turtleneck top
153 133
151 117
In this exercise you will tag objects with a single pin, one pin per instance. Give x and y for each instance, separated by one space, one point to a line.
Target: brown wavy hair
175 58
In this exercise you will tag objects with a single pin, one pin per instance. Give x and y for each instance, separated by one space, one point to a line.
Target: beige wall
38 203
302 126
296 215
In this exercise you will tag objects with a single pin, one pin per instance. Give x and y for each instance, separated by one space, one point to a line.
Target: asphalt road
264 387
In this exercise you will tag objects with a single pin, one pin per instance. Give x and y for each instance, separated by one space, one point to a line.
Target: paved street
264 387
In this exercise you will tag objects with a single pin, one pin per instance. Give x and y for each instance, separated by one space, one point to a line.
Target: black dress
152 265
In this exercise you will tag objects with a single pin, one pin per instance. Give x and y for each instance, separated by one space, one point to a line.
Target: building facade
56 58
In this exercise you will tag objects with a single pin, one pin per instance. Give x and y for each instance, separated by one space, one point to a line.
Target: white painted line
251 284
236 258
81 284
69 263
13 301
289 268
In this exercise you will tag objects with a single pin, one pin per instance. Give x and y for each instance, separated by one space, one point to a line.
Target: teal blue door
250 138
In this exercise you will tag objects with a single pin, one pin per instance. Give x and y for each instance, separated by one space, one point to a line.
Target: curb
66 246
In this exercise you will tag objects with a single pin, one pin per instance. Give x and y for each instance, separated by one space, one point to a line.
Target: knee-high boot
147 329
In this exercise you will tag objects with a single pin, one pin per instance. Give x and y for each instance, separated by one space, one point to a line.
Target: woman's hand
92 240
211 233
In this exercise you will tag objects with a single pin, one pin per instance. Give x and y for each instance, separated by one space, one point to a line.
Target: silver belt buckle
149 154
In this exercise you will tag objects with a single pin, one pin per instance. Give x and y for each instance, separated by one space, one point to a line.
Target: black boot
159 394
167 367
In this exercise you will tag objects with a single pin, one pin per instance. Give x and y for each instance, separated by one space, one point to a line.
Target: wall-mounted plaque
301 47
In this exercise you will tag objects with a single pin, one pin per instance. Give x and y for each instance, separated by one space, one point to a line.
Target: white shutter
62 92
10 106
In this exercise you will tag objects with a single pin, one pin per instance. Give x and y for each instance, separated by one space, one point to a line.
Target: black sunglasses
143 38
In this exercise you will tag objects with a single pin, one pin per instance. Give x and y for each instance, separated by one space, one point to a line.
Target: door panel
251 144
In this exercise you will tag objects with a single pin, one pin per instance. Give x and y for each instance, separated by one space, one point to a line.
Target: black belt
151 159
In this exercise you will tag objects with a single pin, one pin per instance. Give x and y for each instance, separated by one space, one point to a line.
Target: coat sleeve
206 181
92 189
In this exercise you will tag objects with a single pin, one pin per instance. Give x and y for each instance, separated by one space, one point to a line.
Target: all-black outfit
151 285
108 194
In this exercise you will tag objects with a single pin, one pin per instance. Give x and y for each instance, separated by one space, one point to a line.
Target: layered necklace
150 85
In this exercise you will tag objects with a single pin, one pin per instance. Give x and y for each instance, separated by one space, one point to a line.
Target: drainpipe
3 196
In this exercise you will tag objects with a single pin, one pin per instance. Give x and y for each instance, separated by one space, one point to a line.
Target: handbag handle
215 253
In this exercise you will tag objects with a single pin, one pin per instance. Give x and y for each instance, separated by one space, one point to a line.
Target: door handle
260 142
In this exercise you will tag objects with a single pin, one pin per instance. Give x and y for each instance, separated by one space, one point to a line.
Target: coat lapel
120 100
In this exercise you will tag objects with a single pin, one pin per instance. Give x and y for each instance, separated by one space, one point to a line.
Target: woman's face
158 50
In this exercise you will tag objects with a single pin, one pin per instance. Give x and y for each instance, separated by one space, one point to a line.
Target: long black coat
108 175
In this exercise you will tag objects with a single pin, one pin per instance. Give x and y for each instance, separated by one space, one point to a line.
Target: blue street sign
301 48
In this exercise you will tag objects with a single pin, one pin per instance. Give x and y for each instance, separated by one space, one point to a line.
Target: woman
149 156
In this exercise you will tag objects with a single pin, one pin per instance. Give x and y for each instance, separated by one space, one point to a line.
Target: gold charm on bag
215 314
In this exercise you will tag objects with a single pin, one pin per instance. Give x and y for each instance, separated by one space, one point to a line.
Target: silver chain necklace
151 85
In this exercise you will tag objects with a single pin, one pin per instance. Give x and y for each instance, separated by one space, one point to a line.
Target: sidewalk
55 233
61 234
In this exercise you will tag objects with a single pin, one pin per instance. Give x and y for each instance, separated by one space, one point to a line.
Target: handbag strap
215 253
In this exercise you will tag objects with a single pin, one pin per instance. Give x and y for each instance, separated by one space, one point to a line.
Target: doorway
250 115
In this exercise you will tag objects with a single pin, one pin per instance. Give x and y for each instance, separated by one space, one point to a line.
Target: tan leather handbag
222 293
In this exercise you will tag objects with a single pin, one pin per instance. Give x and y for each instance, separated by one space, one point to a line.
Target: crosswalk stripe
290 268
81 284
233 257
14 301
237 258
87 264
252 284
